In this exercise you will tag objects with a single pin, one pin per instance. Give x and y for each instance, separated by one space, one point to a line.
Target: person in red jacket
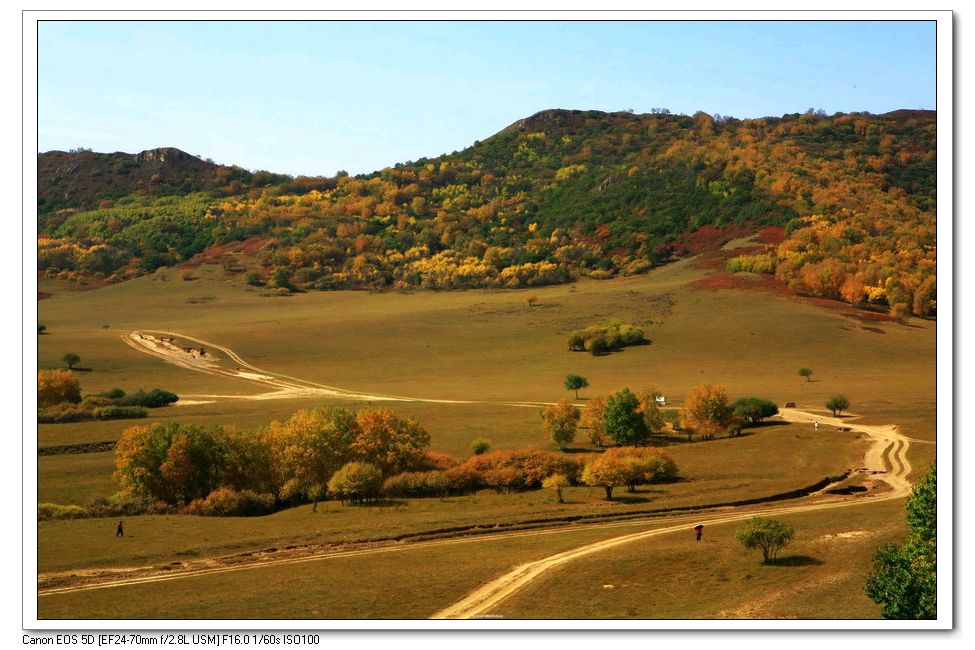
699 531
118 530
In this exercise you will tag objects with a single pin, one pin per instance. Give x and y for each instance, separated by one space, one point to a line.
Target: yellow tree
706 411
56 386
559 422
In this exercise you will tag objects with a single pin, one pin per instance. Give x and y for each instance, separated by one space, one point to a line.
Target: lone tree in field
70 359
837 404
623 420
905 578
480 446
769 535
576 382
559 422
805 372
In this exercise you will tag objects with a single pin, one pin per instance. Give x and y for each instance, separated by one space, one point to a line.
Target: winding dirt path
163 345
895 474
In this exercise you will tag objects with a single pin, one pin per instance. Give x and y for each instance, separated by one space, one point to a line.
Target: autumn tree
170 462
307 448
623 420
806 372
559 421
706 411
557 482
394 445
593 420
650 408
767 535
607 472
576 383
70 359
57 386
837 404
643 466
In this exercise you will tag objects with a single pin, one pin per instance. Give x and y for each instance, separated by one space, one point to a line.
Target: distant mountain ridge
83 178
559 194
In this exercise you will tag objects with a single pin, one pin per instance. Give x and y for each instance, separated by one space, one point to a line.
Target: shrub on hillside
227 502
611 335
155 398
114 393
63 412
120 413
417 484
92 402
752 264
49 511
523 469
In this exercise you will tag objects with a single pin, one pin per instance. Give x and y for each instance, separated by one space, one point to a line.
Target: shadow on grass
629 499
795 560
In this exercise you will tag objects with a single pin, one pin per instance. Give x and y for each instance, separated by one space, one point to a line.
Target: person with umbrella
698 531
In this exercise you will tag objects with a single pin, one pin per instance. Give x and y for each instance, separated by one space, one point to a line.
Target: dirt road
886 443
214 359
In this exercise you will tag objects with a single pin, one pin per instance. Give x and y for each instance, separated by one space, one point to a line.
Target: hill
85 179
558 195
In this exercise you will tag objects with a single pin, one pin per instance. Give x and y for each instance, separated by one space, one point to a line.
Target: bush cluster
599 339
227 502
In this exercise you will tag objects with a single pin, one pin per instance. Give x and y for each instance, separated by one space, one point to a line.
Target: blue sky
316 97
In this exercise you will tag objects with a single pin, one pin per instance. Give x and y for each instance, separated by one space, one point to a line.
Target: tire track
894 473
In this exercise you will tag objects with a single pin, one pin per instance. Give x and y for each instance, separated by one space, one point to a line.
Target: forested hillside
561 194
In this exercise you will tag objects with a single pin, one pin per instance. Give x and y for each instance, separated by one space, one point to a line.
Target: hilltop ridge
559 194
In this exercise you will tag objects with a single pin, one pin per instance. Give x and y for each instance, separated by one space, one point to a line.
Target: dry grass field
490 347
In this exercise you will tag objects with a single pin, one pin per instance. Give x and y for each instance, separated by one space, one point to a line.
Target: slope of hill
554 196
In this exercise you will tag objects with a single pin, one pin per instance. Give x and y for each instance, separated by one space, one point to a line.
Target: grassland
480 345
820 575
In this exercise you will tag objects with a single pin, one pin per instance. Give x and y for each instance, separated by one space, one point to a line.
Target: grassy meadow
489 346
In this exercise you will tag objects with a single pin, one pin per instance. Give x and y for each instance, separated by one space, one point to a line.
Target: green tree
559 422
480 446
905 578
622 418
70 359
837 404
805 372
576 382
768 535
41 329
754 409
356 482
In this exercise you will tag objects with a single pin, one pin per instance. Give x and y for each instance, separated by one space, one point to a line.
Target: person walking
698 532
118 530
